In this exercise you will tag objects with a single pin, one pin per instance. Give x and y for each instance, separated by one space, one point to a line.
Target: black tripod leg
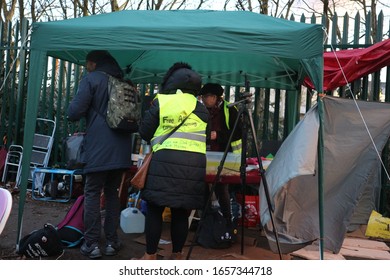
265 184
216 179
244 146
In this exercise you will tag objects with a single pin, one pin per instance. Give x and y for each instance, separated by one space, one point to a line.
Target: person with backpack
178 165
106 153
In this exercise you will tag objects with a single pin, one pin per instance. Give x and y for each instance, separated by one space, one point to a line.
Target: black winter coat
104 148
175 178
218 123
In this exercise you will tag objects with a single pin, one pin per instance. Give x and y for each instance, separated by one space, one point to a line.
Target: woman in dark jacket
106 154
176 174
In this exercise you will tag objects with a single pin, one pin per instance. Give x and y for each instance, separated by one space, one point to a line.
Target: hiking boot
92 251
112 248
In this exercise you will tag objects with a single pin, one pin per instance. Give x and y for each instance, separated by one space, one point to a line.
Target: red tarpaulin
355 63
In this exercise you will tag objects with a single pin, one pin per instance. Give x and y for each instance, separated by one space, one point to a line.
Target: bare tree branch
288 7
124 5
64 9
250 5
8 13
276 6
139 5
158 4
263 7
172 4
240 5
43 9
374 22
33 12
21 10
114 6
201 2
85 8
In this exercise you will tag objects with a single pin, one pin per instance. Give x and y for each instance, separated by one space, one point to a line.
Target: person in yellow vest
221 124
178 165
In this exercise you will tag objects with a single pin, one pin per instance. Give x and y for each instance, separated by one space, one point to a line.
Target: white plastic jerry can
132 220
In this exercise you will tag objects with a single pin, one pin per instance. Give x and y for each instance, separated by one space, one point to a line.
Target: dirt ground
254 245
37 213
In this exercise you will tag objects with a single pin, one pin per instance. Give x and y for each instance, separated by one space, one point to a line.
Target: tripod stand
245 116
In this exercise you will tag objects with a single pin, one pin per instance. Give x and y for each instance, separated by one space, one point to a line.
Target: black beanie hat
105 62
181 76
98 55
212 88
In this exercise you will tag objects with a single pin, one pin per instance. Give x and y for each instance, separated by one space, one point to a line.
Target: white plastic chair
5 207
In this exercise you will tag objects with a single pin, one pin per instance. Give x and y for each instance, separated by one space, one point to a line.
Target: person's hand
213 135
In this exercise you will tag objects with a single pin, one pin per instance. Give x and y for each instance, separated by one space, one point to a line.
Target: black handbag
214 231
74 145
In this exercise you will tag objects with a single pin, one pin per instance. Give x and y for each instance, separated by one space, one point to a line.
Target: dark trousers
153 228
109 182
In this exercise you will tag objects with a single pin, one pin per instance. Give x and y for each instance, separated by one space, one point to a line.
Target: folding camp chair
42 145
13 165
46 181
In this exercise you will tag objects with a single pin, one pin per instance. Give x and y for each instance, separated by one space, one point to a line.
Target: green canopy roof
223 46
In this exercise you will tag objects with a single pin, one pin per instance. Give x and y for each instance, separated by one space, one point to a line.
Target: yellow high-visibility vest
191 135
236 145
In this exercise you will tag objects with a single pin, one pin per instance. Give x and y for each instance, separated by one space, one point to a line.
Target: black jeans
108 181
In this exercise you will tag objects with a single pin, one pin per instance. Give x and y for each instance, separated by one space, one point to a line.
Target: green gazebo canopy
229 47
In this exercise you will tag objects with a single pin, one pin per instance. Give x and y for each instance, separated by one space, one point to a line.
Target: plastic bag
73 151
378 226
252 207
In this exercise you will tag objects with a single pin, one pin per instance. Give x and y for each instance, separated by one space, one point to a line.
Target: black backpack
41 243
214 232
124 105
